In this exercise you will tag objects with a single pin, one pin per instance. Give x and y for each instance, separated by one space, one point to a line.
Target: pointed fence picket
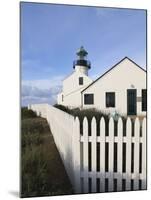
119 154
94 154
128 153
76 154
85 155
136 154
111 152
103 161
102 154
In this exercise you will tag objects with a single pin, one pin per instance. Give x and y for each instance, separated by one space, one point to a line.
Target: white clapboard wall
105 162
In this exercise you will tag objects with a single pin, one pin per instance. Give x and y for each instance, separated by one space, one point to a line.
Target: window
88 99
62 97
144 100
110 99
80 80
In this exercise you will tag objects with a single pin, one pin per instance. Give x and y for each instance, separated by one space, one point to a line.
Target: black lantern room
81 58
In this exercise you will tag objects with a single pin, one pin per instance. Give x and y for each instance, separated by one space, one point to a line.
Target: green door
131 102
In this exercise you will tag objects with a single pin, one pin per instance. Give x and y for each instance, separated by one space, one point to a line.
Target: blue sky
51 34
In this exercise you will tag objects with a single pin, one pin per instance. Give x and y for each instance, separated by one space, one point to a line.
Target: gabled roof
113 68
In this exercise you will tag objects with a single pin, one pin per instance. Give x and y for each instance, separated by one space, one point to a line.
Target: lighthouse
81 64
74 83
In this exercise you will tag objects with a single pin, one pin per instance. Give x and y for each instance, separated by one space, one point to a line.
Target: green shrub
25 113
63 108
90 113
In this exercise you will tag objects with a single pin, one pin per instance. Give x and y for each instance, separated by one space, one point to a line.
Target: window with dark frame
80 80
88 99
110 99
144 100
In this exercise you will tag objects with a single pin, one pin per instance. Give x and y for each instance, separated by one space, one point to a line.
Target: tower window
80 80
144 100
110 99
62 97
88 99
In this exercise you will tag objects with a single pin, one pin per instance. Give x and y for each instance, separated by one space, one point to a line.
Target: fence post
94 152
119 153
102 154
128 153
136 153
85 153
76 155
111 153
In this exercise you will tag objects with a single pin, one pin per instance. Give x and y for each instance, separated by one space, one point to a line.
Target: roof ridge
126 57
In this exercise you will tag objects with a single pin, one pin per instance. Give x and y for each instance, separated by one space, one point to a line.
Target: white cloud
35 64
41 91
30 62
44 83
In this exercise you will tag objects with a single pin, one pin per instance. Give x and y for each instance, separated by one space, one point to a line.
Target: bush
63 108
25 113
90 113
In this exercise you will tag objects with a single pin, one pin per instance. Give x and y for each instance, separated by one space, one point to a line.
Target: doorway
131 102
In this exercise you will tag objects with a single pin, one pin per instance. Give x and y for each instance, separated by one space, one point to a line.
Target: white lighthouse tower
76 82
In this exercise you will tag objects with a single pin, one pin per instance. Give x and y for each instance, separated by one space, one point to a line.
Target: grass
42 171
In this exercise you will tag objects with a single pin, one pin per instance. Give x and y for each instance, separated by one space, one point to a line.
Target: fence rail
108 161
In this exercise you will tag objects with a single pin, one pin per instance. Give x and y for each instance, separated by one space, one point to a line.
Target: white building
121 89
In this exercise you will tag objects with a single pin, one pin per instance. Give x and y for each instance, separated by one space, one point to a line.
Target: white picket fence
99 163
